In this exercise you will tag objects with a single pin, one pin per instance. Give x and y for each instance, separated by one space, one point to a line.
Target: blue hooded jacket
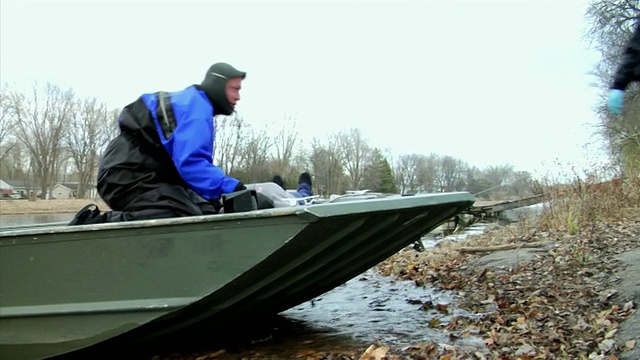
191 143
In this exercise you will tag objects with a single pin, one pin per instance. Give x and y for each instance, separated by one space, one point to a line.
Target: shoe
304 178
278 180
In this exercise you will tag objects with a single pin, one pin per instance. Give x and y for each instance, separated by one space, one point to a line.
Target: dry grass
587 201
21 207
573 211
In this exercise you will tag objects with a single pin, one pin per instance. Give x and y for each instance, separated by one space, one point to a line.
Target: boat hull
106 287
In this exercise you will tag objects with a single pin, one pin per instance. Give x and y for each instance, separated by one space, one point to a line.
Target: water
14 220
353 316
372 307
431 240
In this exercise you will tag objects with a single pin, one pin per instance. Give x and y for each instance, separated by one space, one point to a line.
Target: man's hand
615 102
239 187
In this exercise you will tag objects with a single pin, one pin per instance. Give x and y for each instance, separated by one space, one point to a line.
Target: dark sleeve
627 71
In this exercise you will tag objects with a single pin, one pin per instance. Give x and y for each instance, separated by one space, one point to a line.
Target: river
14 220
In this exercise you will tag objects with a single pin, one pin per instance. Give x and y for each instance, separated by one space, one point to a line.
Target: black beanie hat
214 84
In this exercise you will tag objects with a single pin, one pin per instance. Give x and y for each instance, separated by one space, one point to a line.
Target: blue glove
616 101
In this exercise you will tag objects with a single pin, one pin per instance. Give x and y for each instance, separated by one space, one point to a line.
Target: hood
214 84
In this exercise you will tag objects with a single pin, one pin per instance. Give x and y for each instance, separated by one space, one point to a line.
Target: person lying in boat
304 185
161 163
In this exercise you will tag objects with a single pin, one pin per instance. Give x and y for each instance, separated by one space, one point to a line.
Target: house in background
5 190
69 190
23 188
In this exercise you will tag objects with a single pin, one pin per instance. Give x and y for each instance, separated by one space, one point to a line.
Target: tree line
50 135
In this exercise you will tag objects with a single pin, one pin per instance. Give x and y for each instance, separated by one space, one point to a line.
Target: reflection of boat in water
65 288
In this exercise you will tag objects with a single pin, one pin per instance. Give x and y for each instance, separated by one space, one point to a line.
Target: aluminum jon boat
65 289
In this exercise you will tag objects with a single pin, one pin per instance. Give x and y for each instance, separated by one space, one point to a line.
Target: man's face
232 90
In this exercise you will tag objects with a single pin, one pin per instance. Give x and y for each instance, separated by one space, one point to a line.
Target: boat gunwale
320 210
63 227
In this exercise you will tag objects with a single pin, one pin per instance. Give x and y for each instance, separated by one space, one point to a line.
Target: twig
477 249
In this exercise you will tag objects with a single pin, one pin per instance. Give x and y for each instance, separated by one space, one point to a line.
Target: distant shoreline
26 207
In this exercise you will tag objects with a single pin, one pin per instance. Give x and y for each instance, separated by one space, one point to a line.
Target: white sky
488 82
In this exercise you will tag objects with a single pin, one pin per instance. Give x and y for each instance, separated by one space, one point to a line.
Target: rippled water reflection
365 310
15 220
372 307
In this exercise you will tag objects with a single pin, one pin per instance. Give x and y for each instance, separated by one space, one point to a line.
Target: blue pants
304 190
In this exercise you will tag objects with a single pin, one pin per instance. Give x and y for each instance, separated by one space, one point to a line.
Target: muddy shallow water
367 310
371 307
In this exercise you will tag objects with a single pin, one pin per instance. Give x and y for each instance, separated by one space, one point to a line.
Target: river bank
23 207
538 294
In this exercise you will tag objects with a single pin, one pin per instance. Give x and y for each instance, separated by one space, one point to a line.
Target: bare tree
522 184
6 122
15 165
475 182
229 141
301 159
450 174
327 165
41 119
354 151
498 175
255 156
88 131
428 170
407 173
284 143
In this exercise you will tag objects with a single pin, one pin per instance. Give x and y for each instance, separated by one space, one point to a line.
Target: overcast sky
488 82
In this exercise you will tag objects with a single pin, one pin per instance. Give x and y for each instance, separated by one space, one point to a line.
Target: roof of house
73 185
4 185
69 185
31 184
21 183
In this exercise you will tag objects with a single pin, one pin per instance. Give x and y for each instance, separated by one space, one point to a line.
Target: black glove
264 202
239 187
217 205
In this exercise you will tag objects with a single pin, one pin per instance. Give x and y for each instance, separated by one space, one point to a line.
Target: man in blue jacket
161 163
627 72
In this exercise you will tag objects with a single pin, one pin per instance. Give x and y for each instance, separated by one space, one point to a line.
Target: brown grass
586 201
20 207
574 211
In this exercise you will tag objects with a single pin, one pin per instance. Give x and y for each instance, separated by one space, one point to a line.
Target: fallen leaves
373 353
629 345
557 305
